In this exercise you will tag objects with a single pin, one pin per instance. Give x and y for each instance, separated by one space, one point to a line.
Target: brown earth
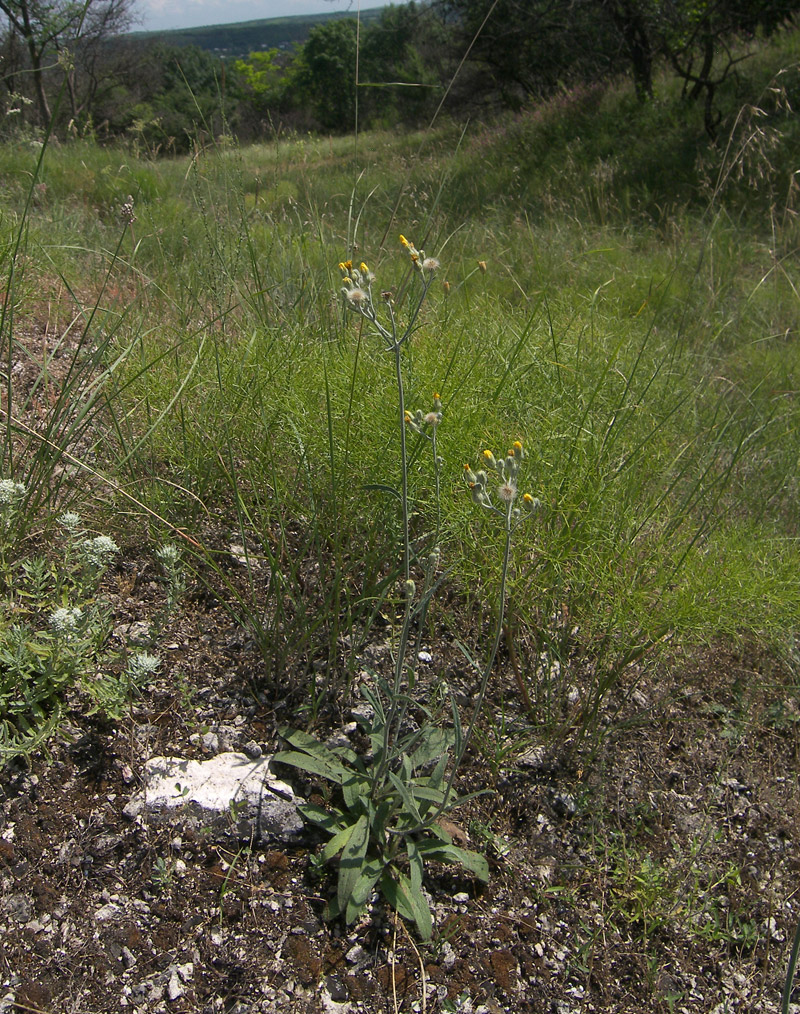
656 871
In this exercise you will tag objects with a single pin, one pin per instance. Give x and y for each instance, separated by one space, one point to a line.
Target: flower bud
409 589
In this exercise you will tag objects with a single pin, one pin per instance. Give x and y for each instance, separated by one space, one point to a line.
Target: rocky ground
657 871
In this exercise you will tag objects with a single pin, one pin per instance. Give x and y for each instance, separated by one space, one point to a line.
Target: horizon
171 15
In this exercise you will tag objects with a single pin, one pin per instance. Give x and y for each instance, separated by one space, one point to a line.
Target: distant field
237 40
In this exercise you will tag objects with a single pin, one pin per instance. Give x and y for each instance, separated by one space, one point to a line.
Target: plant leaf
308 744
332 770
405 795
435 743
436 777
410 902
443 853
328 820
355 790
338 842
352 860
381 487
370 872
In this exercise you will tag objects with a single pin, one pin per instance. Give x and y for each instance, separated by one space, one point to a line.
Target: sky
164 14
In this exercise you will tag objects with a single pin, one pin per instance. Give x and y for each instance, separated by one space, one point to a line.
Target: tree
533 46
529 48
696 36
56 29
326 73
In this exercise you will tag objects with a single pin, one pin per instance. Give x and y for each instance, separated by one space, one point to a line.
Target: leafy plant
384 823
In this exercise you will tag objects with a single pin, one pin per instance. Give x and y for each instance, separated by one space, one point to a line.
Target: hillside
459 469
236 41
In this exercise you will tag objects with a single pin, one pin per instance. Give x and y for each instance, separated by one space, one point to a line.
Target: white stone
230 788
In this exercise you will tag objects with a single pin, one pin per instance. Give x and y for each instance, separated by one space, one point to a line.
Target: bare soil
654 868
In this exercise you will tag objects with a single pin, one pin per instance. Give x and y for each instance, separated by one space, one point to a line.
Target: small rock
461 898
336 988
133 808
128 957
533 758
564 804
448 956
19 908
252 749
357 955
108 912
210 742
174 987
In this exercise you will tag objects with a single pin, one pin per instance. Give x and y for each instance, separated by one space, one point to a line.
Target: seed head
357 296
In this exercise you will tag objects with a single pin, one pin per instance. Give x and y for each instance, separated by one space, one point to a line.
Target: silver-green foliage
55 636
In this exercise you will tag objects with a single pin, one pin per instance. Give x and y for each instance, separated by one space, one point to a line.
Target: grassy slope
636 327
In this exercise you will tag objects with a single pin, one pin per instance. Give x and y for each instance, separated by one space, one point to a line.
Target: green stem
787 989
406 628
403 461
440 809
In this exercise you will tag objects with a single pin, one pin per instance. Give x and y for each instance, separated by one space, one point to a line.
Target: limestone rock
229 794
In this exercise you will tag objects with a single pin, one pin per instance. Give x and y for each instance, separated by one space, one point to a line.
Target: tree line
70 63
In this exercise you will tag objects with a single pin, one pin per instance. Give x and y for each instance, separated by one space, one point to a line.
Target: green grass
636 327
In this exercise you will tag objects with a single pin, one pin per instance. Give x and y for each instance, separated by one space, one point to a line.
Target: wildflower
430 264
65 620
126 212
482 267
142 665
404 241
98 551
446 287
357 296
490 459
507 492
168 554
433 418
71 521
11 492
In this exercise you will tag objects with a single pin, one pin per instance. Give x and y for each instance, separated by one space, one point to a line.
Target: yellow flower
403 240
